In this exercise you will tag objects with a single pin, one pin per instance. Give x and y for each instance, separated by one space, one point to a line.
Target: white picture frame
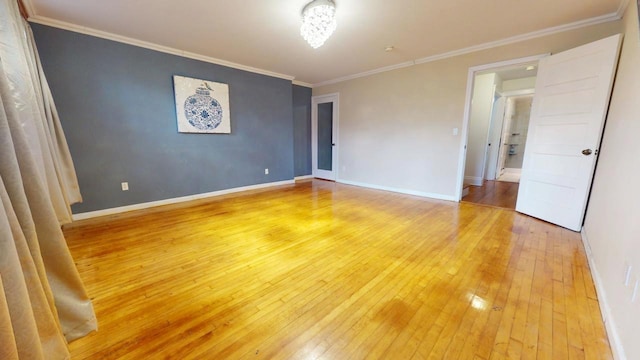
202 106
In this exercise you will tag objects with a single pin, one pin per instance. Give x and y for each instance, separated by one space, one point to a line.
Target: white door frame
315 101
462 157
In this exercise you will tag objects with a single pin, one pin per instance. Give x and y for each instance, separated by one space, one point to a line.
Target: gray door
324 136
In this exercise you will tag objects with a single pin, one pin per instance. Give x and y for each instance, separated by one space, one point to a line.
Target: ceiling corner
28 5
624 4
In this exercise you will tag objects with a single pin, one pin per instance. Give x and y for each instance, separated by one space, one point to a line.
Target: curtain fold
8 348
36 111
43 303
65 171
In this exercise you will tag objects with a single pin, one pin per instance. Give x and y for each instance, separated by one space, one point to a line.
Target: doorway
515 128
573 89
496 135
324 136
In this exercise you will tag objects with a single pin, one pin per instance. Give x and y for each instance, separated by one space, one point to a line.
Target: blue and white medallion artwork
202 106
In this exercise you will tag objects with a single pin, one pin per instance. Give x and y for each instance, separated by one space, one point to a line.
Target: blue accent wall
116 104
302 130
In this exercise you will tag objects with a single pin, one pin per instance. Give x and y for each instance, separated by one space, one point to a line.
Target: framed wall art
202 106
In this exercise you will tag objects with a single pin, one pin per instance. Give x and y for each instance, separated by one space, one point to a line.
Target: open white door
504 136
324 135
493 146
567 118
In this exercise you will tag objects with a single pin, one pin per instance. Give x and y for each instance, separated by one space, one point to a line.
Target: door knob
586 152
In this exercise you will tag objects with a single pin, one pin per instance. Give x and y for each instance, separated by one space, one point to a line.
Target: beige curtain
43 303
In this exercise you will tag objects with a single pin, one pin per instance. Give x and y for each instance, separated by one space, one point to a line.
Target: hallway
494 193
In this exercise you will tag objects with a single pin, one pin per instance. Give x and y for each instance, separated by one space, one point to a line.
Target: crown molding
366 73
624 4
489 45
28 5
302 83
523 37
149 45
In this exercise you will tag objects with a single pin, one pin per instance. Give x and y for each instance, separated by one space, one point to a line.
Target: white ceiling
265 34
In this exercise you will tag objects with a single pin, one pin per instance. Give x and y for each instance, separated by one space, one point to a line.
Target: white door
567 119
495 128
504 136
324 136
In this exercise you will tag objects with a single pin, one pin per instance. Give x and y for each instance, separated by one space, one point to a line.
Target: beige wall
612 225
396 127
479 120
519 84
520 126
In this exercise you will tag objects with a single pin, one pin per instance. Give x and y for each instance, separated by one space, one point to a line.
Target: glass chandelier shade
318 22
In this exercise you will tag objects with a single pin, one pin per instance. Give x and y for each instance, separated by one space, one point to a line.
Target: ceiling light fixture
318 22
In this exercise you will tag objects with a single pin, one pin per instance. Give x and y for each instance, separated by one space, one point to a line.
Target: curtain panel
43 303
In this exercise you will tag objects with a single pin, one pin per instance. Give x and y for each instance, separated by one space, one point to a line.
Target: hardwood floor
319 270
494 193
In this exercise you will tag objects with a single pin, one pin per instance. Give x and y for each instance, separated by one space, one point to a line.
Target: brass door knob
586 152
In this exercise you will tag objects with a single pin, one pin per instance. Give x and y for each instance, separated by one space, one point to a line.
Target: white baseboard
605 309
121 209
303 177
397 190
473 180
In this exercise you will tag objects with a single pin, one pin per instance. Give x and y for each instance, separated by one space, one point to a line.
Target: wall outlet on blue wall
266 171
125 186
262 108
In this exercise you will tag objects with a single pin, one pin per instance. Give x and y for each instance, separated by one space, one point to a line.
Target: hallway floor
494 193
510 176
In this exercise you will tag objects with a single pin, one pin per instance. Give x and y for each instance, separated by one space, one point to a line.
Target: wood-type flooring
494 193
319 270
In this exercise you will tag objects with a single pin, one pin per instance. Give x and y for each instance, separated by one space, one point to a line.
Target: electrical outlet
266 171
125 186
